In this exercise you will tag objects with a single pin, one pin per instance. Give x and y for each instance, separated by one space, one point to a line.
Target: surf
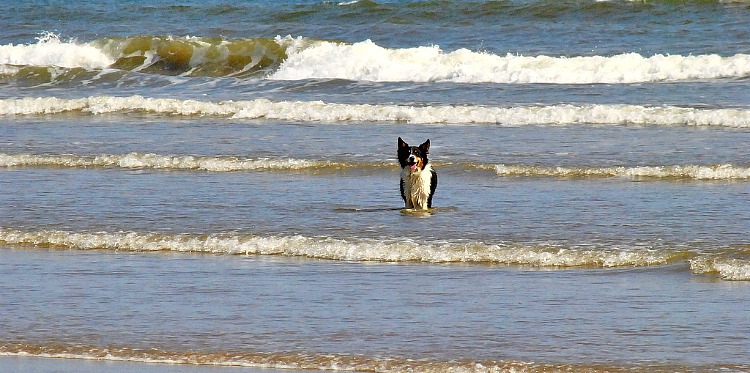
320 111
303 361
368 61
219 163
729 264
695 172
304 58
167 162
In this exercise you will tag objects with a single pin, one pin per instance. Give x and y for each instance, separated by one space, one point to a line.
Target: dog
418 179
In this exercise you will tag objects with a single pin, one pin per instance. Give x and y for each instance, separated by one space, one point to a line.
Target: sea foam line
267 360
168 162
393 250
698 172
328 362
318 111
385 250
231 164
368 61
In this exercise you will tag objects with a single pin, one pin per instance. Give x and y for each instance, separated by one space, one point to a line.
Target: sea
214 184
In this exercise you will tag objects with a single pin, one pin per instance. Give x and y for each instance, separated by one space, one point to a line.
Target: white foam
403 250
391 250
264 360
367 61
51 51
109 104
728 268
8 70
229 164
156 161
715 172
319 111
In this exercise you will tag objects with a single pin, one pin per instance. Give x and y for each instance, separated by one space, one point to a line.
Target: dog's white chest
417 187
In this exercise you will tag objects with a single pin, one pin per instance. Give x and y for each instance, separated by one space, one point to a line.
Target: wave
288 58
166 55
732 269
384 250
368 61
698 172
339 249
316 362
231 164
167 162
283 360
50 51
193 56
319 111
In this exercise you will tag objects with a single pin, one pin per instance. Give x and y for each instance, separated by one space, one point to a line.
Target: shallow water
257 305
209 190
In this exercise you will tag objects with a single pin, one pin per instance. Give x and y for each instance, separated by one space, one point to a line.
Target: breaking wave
368 61
284 360
230 164
167 55
316 362
288 58
728 267
340 249
732 265
714 172
49 51
168 162
319 111
732 269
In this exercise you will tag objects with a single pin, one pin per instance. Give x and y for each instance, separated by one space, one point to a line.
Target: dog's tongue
413 167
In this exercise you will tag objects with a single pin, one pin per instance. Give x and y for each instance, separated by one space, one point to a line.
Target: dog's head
413 157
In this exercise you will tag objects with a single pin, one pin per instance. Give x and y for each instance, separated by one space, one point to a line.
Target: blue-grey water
215 183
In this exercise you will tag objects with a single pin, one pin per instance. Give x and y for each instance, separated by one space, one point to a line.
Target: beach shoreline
29 364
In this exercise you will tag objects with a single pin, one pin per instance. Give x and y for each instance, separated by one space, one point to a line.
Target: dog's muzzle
412 162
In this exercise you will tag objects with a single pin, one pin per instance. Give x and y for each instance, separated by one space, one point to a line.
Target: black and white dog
418 179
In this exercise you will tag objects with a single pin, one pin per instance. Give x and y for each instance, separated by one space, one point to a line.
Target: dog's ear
425 147
402 144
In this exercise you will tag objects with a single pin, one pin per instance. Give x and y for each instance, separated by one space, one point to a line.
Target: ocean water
215 183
